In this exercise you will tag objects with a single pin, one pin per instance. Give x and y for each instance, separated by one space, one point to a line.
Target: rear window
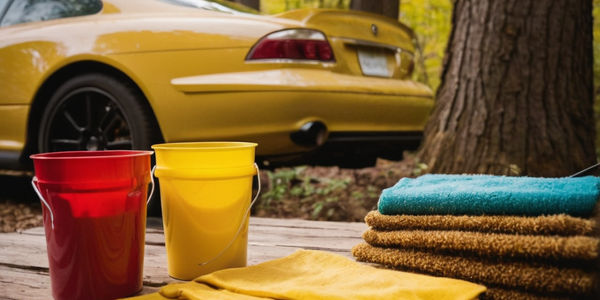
215 5
24 11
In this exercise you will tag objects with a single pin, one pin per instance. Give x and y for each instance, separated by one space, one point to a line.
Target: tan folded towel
527 276
542 225
490 244
510 294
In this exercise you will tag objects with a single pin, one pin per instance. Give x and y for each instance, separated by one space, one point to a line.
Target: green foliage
430 19
317 196
279 183
278 6
419 168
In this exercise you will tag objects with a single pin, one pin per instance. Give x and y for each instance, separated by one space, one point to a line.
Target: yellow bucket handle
152 181
241 223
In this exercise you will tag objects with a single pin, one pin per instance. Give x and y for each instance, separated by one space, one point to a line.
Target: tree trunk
388 8
516 96
250 3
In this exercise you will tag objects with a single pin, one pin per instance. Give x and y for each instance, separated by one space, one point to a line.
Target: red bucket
94 208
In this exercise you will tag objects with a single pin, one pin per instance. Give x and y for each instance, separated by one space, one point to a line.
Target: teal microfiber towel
436 194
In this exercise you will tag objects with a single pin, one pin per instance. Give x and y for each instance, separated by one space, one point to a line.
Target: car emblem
374 29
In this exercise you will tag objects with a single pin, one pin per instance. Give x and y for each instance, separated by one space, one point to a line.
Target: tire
96 112
119 118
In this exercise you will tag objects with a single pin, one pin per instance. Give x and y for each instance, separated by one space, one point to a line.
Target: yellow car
122 74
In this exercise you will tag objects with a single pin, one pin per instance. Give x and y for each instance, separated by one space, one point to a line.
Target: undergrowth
329 193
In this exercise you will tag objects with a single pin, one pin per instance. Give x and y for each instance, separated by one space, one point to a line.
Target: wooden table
24 263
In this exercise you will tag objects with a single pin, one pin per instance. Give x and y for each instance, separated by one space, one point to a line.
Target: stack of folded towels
522 237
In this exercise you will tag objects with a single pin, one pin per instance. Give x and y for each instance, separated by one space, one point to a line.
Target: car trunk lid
367 44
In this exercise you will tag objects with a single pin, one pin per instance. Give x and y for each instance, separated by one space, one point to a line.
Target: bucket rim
207 146
82 155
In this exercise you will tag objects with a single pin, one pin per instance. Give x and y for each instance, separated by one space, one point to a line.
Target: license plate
373 63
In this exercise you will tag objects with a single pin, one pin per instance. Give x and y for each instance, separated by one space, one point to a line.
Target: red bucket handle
37 191
39 194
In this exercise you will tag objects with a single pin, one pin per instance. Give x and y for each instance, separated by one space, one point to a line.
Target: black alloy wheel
95 112
87 119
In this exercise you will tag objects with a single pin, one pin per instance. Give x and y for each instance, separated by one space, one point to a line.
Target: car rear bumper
268 106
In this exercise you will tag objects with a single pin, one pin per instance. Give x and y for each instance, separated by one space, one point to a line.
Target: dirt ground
312 193
19 216
329 193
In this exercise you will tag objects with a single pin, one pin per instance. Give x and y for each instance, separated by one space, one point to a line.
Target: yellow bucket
205 191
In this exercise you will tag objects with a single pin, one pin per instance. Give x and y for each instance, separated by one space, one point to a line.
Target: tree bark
250 3
388 8
516 96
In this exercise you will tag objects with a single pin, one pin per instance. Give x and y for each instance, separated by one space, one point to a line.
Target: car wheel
98 112
95 112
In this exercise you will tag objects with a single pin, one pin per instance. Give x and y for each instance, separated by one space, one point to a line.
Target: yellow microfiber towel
309 274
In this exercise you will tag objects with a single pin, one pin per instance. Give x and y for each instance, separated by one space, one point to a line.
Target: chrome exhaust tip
311 134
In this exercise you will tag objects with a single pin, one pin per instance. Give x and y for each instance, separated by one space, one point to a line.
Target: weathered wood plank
28 250
23 250
33 284
24 284
24 262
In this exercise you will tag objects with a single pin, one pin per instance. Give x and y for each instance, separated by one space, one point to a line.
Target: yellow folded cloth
194 290
309 274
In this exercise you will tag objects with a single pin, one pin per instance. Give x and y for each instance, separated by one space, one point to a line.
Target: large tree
389 8
516 95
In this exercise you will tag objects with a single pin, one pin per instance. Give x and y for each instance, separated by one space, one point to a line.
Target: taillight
295 44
